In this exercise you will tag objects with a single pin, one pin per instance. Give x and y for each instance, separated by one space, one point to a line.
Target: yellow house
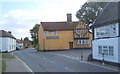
61 35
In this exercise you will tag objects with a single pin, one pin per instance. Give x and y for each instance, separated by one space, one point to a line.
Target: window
45 33
79 31
111 51
100 50
79 41
54 33
10 47
82 41
86 41
105 50
106 31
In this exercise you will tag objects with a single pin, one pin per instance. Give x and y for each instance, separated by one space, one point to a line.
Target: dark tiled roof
108 16
56 26
6 34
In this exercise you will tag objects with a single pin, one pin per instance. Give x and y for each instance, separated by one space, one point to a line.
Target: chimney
9 32
69 17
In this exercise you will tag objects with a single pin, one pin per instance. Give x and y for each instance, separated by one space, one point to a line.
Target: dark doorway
70 45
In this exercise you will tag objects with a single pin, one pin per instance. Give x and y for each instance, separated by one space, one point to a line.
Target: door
70 45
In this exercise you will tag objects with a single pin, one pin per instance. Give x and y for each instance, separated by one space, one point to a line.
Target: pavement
16 65
61 61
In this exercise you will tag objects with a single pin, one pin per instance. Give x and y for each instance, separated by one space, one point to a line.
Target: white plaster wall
106 42
0 43
4 44
119 49
12 44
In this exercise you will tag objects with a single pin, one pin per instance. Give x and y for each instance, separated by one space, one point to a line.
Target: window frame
83 41
106 31
46 33
79 31
54 33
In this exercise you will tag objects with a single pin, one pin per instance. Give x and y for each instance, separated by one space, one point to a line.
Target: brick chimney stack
69 18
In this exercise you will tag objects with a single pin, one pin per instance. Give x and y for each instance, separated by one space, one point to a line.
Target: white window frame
45 33
111 51
107 31
79 41
106 50
79 31
83 41
100 52
54 33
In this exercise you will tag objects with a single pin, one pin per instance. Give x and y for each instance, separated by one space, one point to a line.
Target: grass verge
3 62
8 56
2 66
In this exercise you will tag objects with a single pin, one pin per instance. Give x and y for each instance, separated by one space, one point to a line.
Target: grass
8 56
2 66
3 62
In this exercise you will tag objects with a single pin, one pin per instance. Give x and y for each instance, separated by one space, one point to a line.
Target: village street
57 61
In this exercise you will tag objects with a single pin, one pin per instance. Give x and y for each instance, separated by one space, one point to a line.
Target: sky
19 16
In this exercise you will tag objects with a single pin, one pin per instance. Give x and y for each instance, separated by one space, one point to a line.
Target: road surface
46 62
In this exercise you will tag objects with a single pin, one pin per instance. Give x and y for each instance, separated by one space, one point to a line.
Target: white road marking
68 69
25 64
99 66
79 59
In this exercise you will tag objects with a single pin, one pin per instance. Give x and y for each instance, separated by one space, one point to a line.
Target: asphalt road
45 62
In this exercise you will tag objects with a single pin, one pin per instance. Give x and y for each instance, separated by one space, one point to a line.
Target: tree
26 39
34 34
90 11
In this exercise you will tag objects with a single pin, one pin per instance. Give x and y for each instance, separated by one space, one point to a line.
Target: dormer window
45 33
54 33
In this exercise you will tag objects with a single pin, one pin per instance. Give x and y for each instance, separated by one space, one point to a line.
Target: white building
19 44
7 41
106 34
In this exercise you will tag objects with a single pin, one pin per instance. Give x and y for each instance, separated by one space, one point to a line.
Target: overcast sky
20 16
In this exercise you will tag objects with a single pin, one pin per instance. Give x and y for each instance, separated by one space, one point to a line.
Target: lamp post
103 62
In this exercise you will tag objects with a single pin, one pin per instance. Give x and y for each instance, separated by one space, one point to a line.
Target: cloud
20 21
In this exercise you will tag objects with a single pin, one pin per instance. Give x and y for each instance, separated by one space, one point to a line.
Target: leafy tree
34 34
90 11
26 39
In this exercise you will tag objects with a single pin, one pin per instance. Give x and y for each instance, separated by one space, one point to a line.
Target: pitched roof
19 41
108 16
6 34
56 26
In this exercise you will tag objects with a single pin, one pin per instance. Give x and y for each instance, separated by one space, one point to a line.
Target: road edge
24 64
